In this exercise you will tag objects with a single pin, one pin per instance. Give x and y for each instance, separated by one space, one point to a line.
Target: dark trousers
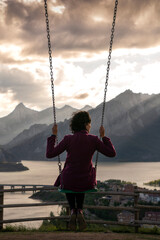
75 200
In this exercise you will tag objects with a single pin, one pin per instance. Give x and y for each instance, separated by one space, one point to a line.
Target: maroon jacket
80 147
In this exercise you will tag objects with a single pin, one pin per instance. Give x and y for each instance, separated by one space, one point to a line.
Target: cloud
8 59
80 34
82 26
77 86
82 96
22 87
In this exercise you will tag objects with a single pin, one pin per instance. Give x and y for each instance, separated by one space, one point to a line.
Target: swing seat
70 191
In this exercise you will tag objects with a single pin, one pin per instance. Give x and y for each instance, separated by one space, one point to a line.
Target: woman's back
77 174
80 149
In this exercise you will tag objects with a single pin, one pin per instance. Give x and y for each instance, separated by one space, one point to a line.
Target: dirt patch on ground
77 236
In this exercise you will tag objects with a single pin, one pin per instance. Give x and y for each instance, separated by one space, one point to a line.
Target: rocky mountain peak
86 108
66 107
20 105
21 110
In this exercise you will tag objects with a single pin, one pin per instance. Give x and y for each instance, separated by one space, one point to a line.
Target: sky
80 35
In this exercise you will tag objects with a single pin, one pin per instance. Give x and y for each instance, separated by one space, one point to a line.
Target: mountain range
22 118
132 121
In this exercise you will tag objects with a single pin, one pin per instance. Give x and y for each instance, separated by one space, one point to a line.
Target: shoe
81 221
72 221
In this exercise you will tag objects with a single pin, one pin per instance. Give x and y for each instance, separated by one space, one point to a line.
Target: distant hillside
23 118
7 156
27 134
132 121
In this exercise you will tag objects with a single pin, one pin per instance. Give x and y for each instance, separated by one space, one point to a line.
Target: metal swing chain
51 74
108 68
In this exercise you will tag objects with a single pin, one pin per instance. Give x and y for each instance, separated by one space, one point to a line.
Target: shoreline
12 167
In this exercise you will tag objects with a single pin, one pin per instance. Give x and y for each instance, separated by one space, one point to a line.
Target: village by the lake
112 185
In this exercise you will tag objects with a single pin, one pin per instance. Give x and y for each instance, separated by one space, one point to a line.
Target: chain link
108 68
51 74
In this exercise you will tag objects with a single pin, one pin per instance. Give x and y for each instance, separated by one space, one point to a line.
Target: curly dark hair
79 121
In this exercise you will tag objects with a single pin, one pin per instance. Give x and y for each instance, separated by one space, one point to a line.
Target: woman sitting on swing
78 174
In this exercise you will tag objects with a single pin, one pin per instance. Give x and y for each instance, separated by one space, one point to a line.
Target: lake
42 172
